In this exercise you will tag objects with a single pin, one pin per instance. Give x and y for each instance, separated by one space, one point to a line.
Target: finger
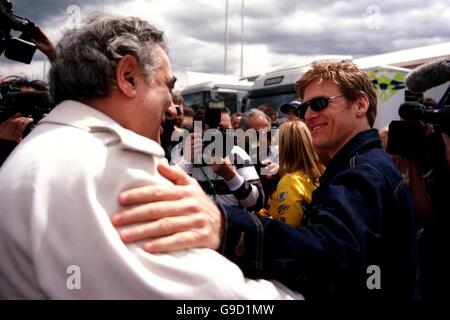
159 228
150 193
14 116
153 211
174 174
179 241
24 123
227 160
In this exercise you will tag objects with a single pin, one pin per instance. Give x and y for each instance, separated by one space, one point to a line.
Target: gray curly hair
86 58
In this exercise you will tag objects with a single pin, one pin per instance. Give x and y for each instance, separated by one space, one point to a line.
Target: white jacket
58 190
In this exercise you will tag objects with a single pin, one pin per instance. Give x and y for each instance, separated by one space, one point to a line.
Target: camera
222 137
419 134
17 49
34 104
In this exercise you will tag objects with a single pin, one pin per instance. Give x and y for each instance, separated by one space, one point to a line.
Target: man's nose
171 112
310 114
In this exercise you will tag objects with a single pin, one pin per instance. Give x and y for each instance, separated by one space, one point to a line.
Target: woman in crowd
300 170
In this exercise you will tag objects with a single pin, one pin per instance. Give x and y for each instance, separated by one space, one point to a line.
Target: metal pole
226 38
242 39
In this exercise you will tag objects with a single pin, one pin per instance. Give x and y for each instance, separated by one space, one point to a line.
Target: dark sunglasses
318 104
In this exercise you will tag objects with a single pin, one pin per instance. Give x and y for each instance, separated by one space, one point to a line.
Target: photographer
14 127
230 180
423 141
436 220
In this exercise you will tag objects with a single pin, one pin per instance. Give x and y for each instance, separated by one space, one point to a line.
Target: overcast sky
276 32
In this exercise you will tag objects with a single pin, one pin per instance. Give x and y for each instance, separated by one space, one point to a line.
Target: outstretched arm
43 43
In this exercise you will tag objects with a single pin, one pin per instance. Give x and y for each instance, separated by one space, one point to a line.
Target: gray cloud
288 28
41 10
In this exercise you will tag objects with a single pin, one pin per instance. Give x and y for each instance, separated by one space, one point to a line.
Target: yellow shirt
284 203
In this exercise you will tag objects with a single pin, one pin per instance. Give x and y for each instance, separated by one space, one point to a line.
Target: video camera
411 138
18 49
34 104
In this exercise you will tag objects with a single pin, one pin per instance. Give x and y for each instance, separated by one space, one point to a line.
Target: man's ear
362 105
127 70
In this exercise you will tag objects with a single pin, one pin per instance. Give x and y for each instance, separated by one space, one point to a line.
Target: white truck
232 94
197 88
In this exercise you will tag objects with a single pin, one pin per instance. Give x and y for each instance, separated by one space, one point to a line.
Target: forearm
305 259
249 193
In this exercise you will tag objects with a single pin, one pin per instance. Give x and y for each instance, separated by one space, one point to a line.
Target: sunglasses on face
319 103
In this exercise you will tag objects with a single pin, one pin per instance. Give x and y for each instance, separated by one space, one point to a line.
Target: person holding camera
231 178
14 127
357 240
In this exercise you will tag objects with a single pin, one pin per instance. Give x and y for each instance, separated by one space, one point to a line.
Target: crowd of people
100 183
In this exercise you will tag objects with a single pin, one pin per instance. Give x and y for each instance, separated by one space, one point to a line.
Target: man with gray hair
112 81
255 119
267 161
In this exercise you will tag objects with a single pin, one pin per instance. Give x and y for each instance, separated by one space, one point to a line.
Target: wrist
222 227
235 182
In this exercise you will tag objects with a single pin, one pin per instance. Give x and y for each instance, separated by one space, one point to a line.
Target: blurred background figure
172 123
178 101
230 178
272 113
259 121
236 120
14 126
293 110
188 118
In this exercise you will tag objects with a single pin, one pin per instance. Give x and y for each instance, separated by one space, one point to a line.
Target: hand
13 128
176 217
269 169
44 44
194 145
224 168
